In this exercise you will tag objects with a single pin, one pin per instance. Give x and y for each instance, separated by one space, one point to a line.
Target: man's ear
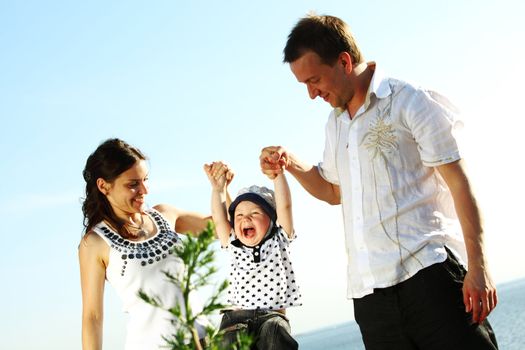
103 186
346 62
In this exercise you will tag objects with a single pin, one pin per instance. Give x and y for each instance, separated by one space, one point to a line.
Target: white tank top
135 266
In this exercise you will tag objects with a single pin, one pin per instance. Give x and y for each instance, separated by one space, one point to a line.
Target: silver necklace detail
141 232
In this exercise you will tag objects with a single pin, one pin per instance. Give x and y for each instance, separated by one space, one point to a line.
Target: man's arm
479 292
274 159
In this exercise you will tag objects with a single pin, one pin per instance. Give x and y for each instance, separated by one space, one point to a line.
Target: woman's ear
103 186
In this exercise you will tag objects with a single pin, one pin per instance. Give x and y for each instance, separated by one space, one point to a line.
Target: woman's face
127 193
251 223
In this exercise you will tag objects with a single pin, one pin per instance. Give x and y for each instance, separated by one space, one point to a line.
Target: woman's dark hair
110 159
327 36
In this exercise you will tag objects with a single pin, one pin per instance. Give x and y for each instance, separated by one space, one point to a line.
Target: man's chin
338 105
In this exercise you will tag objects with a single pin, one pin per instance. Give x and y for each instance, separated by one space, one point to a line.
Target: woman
130 246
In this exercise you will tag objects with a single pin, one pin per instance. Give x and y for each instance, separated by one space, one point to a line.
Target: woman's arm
93 255
184 221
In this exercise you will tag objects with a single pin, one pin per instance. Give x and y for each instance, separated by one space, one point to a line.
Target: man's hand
274 160
479 294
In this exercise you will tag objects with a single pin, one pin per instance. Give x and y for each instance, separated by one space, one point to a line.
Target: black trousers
424 312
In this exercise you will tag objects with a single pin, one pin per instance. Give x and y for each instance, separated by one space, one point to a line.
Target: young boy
262 281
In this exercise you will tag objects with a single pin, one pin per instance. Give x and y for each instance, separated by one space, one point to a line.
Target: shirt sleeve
431 117
328 167
230 239
284 235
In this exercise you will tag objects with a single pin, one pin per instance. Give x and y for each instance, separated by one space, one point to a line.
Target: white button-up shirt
398 214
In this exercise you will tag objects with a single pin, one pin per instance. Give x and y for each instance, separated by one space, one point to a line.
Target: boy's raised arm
283 203
218 175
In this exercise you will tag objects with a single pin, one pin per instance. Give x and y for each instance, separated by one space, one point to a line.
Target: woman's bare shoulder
91 242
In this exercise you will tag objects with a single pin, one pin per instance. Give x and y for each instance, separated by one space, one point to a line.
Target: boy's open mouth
248 232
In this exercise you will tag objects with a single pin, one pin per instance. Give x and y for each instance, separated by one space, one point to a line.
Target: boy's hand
219 174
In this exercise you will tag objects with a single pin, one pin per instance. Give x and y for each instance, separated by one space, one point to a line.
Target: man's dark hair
327 36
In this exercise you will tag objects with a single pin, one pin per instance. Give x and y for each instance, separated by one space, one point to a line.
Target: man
392 163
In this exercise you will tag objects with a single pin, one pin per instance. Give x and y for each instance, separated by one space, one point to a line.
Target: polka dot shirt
262 277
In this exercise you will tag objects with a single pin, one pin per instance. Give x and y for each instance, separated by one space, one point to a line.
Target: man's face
328 82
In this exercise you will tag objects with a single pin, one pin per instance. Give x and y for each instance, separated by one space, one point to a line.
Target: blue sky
193 82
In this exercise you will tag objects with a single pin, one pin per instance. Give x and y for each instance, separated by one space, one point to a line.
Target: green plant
198 257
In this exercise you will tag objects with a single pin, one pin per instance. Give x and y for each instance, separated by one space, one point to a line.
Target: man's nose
312 91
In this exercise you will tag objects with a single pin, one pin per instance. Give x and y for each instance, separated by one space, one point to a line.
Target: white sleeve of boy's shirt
284 235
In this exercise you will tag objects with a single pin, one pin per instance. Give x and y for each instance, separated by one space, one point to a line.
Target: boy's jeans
270 329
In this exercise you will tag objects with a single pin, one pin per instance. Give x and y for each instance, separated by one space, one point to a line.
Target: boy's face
251 223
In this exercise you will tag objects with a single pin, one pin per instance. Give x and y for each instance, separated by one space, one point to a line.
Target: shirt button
256 253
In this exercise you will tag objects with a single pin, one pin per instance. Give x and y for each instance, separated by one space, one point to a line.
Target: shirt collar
379 86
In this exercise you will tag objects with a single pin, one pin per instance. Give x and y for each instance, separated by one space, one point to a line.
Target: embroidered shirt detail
381 138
